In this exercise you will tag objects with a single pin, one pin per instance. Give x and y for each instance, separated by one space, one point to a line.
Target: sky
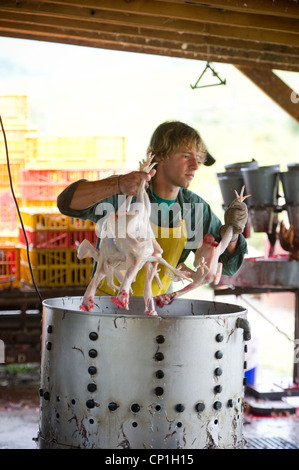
75 90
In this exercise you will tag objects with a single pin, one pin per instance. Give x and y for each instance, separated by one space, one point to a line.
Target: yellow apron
172 242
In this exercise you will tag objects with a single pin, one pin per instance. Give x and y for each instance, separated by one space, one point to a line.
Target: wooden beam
280 53
281 8
275 88
198 11
97 35
163 27
114 44
154 22
156 8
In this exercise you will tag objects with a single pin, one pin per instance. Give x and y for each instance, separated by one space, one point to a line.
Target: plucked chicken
208 269
127 245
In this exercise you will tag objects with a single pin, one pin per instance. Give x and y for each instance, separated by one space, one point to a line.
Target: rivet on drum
230 403
135 407
218 371
90 404
93 336
159 391
159 356
92 353
160 339
179 408
199 407
218 389
50 329
49 345
219 338
218 354
46 395
91 387
217 405
92 370
112 406
159 374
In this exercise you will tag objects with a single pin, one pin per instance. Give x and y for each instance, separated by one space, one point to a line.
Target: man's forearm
89 193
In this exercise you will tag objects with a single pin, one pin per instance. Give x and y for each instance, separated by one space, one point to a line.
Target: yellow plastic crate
46 257
30 203
55 268
56 276
52 256
64 152
15 171
44 218
78 224
50 218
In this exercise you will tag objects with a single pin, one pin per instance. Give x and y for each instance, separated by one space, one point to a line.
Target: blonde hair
170 135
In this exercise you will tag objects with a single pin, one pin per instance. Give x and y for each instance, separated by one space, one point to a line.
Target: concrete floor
19 423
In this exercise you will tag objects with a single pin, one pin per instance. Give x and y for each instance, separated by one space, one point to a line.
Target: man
179 218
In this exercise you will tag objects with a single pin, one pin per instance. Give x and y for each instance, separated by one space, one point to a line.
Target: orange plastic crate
46 185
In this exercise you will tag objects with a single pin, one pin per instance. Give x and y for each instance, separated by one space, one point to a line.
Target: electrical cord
18 210
267 319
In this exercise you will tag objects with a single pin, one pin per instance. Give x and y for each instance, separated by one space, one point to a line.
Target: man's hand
129 183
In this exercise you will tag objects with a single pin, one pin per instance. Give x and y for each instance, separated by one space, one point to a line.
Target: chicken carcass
208 269
127 245
289 241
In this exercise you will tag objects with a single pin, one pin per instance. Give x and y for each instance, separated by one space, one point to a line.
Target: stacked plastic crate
13 109
9 267
52 236
41 167
52 239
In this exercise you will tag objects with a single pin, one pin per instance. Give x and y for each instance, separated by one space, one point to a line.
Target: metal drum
113 379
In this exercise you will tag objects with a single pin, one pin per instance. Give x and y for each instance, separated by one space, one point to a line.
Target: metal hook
208 66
